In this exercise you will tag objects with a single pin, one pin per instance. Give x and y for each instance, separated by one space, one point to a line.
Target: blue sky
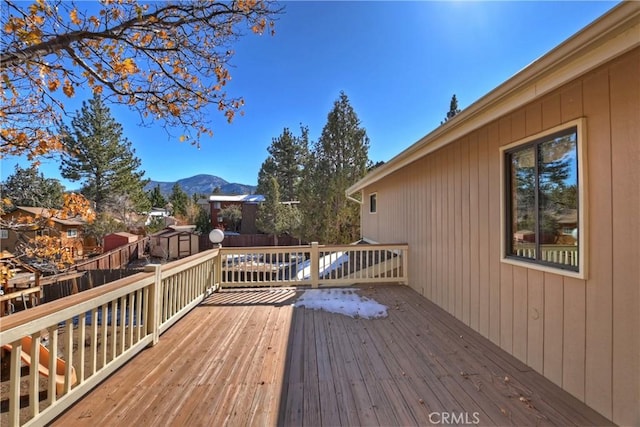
398 62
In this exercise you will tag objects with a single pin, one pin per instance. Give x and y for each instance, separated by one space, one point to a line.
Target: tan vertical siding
598 379
535 320
483 225
573 355
465 230
553 327
625 157
581 334
474 234
494 231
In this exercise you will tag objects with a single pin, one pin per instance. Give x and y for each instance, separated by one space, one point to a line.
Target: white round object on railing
216 236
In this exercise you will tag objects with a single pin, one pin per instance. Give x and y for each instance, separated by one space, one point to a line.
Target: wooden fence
115 259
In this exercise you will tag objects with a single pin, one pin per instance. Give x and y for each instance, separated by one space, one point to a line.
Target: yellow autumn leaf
68 89
53 84
73 15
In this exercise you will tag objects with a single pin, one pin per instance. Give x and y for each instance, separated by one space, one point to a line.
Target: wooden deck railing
72 344
98 331
315 265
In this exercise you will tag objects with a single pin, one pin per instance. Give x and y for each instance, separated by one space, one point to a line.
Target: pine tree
156 198
179 200
269 218
285 162
27 187
99 156
453 109
337 160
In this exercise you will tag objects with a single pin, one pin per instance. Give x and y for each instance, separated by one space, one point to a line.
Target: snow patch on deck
341 301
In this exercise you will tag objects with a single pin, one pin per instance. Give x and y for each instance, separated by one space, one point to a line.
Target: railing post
218 272
153 325
405 265
315 265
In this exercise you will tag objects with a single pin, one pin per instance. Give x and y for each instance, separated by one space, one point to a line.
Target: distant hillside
202 184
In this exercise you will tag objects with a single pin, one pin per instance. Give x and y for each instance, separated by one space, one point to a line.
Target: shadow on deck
248 357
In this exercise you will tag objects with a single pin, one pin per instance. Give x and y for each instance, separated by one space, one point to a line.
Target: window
543 206
216 205
72 232
4 234
373 203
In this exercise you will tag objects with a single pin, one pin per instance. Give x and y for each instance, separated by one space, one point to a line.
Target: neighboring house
549 159
69 230
155 214
175 241
248 203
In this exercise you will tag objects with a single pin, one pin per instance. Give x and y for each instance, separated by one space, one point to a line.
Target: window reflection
544 200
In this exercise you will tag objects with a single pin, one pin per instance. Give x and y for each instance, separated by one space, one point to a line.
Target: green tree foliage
336 161
232 217
270 218
28 187
285 162
203 222
179 200
453 109
97 155
104 224
156 198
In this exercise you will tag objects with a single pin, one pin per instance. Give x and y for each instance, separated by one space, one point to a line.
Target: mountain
202 184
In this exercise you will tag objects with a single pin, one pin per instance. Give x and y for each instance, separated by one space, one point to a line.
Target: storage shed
115 240
176 241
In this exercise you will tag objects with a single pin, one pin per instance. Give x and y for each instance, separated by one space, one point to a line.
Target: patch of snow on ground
341 301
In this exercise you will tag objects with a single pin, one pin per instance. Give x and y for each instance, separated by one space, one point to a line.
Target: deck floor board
249 358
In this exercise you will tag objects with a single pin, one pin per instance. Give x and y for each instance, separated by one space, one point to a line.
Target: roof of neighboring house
242 198
611 35
46 213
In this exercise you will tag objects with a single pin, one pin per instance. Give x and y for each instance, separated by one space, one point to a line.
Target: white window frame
72 233
373 207
583 202
4 233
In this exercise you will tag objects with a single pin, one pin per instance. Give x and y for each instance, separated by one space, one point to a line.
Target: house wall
581 334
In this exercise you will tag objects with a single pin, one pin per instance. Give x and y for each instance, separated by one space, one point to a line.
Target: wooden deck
252 359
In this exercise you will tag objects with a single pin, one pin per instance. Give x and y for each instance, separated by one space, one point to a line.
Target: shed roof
611 35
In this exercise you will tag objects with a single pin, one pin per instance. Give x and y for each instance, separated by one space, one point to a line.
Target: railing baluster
94 341
34 375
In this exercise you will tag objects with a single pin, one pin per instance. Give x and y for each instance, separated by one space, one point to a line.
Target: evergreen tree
270 218
27 187
337 160
203 222
97 155
179 200
285 162
156 198
453 109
